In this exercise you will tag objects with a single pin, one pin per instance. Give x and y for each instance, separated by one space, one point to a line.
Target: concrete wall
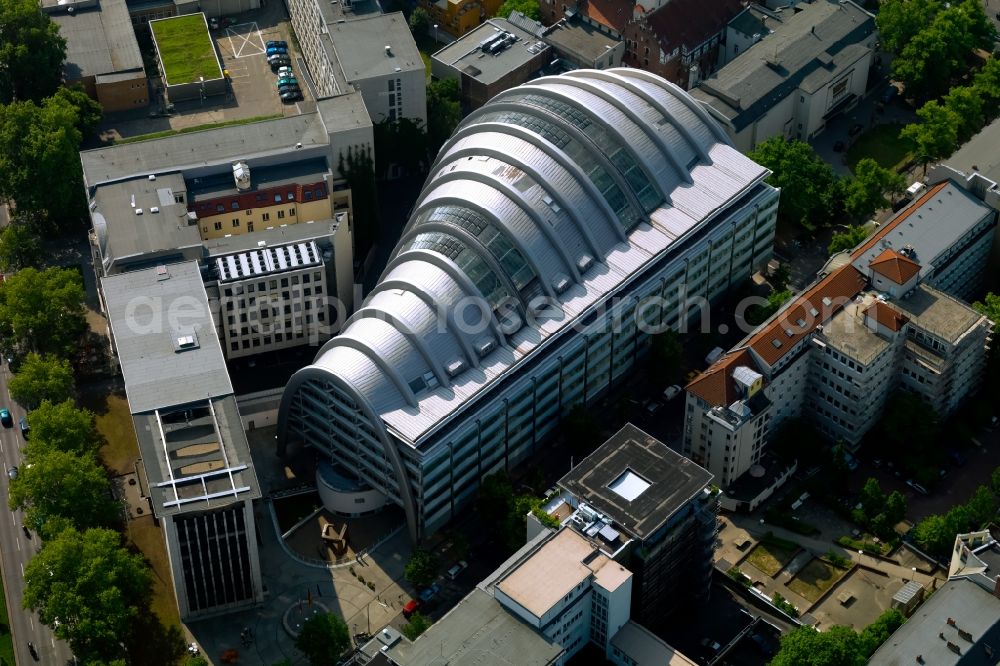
408 88
237 222
123 95
348 502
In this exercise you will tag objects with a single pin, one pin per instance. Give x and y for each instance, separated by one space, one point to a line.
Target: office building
880 317
254 204
490 59
102 53
977 163
198 476
458 17
810 68
552 236
650 509
550 599
578 43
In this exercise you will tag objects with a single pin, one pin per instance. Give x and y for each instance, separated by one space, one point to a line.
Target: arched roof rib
533 192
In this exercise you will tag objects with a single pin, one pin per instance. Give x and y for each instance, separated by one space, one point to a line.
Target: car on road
458 568
12 473
5 418
429 593
652 406
25 428
291 96
671 392
916 486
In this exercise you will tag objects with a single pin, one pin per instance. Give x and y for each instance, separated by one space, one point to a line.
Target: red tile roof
691 22
810 309
716 385
613 13
895 266
886 316
262 198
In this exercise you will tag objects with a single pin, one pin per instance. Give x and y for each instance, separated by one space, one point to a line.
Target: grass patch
114 422
198 128
186 49
291 510
6 640
770 558
882 144
148 539
814 579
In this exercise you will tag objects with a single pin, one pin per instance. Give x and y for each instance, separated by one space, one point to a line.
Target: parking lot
241 48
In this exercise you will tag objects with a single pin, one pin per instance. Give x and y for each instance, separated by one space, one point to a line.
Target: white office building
563 222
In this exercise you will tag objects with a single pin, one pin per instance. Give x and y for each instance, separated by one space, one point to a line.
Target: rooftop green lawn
186 49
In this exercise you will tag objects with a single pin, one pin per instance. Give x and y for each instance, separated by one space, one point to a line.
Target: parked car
889 94
917 487
25 428
850 461
5 418
277 49
12 473
671 392
411 607
765 648
652 406
275 42
287 81
278 63
285 70
956 457
213 23
429 593
458 568
291 96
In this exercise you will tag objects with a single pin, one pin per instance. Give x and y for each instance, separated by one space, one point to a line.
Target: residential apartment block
678 40
199 478
553 597
811 67
650 509
577 214
353 46
246 202
878 319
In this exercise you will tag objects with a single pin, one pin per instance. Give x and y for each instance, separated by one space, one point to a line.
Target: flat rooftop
846 331
672 479
465 55
582 39
123 233
556 568
99 40
185 49
645 648
979 154
164 337
360 46
930 226
222 184
262 140
937 312
958 605
478 631
293 233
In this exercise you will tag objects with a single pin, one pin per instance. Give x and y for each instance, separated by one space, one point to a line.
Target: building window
291 212
281 214
249 226
218 226
235 205
839 88
236 222
265 217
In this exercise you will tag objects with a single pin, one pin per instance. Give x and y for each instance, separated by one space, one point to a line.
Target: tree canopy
936 533
402 143
418 624
865 192
422 568
92 586
804 646
39 156
846 240
667 354
66 485
20 247
809 191
41 378
88 112
529 8
444 112
879 512
420 22
32 52
42 311
323 639
62 427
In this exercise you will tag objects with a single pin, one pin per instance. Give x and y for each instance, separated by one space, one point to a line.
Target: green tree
995 481
42 311
936 136
61 426
967 106
895 507
422 568
39 157
417 625
529 8
809 192
20 247
804 646
444 112
66 485
401 143
758 314
420 22
981 507
899 21
358 170
92 585
872 498
847 240
667 354
89 113
935 534
986 85
323 639
878 632
196 661
42 378
865 192
31 52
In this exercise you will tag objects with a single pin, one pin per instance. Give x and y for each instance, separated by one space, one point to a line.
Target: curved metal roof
560 189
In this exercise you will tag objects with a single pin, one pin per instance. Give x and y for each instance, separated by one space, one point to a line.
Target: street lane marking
18 542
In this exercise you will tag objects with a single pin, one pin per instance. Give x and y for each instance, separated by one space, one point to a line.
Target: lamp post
435 33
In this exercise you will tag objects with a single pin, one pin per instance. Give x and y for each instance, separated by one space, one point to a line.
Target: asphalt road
17 550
